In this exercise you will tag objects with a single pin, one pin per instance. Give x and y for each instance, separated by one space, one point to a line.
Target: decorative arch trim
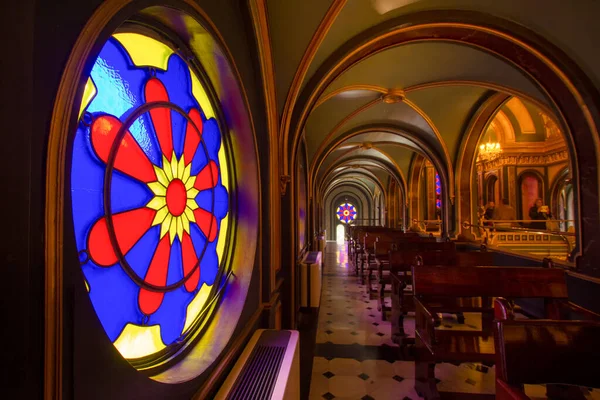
571 91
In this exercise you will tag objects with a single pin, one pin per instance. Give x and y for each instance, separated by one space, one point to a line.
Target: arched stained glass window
149 195
438 192
346 213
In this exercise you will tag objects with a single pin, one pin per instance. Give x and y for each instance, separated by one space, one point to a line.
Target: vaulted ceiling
412 98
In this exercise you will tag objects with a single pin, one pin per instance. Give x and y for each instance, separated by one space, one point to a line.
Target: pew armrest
503 309
425 323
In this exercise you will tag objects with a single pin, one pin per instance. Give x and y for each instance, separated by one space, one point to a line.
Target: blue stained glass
209 265
86 188
175 271
127 193
120 87
178 82
140 256
171 316
179 124
438 191
221 202
212 138
114 297
199 161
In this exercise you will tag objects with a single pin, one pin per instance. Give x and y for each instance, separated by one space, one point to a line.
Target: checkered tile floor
355 357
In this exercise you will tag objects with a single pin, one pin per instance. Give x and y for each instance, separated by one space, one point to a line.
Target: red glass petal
129 226
130 158
208 177
161 117
192 137
189 261
148 300
207 223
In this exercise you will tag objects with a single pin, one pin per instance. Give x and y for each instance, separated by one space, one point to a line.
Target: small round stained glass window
346 213
149 191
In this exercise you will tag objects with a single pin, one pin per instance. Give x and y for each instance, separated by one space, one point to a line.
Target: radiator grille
259 375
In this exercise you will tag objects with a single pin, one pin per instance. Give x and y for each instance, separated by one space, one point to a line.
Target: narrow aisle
355 357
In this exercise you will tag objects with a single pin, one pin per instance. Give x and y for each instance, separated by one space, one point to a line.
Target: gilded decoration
524 160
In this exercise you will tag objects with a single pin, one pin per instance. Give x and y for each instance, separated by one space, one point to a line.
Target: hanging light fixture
489 151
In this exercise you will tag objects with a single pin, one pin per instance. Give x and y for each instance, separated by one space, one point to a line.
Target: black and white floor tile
355 357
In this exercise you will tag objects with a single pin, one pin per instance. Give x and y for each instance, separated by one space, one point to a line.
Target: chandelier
489 151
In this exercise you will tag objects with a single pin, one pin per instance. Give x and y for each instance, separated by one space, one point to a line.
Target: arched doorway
530 189
492 189
340 234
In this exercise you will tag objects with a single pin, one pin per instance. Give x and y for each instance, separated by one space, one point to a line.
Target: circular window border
197 356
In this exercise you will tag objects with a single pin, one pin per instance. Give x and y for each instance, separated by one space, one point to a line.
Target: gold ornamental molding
330 175
446 83
337 128
367 174
318 159
283 181
258 9
389 96
349 181
365 46
467 153
524 160
351 165
394 96
330 95
307 58
558 76
395 173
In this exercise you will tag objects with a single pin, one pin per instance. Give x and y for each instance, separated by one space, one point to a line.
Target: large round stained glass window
346 213
150 200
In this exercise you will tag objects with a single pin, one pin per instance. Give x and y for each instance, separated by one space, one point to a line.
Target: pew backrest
548 351
432 253
484 281
384 245
474 258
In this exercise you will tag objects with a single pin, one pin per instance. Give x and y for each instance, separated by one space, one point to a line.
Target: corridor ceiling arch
364 162
350 36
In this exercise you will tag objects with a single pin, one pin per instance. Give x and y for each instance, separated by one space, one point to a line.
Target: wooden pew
388 253
370 239
453 289
545 352
377 251
360 235
355 245
400 278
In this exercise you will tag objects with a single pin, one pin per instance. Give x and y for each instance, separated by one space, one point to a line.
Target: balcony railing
508 235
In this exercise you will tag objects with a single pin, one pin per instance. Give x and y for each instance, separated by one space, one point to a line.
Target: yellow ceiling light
385 6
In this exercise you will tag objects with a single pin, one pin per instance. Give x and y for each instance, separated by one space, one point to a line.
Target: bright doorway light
340 233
